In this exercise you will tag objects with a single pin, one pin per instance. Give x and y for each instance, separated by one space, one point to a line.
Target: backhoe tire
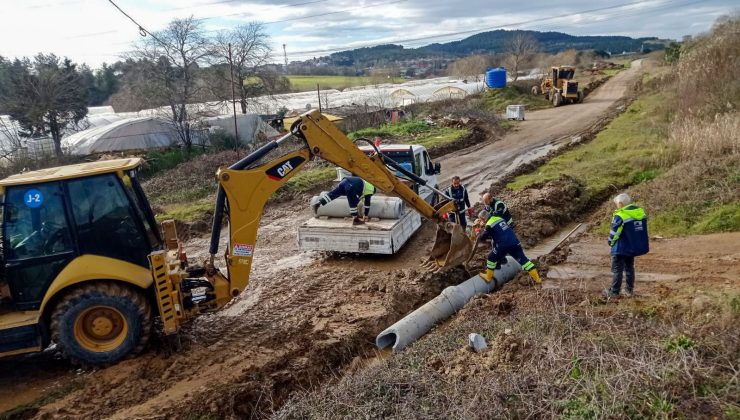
557 99
101 323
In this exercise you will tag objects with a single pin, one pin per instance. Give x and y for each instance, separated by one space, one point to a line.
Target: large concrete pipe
380 206
451 300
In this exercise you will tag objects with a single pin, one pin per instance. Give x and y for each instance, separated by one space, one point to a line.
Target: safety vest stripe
493 220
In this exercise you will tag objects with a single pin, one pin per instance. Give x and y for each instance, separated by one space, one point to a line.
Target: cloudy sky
93 31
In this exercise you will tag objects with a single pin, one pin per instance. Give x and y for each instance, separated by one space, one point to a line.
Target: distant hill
488 43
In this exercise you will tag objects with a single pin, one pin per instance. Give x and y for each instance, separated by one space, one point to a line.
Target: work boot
628 293
486 275
609 293
357 221
535 275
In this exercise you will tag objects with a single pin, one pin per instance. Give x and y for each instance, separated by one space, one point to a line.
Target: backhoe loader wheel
101 323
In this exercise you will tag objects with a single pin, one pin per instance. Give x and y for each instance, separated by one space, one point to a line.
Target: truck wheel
435 197
102 323
556 99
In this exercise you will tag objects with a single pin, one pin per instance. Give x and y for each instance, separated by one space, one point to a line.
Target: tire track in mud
295 326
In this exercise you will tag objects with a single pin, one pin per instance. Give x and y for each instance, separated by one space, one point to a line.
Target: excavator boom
245 187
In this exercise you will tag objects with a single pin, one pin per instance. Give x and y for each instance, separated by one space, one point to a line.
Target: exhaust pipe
452 299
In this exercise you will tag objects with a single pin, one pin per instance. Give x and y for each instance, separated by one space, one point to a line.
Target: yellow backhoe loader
86 266
559 86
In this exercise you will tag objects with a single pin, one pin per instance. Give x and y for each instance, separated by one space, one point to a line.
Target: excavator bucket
451 247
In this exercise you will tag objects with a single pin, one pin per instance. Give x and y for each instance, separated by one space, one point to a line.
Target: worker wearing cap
504 242
628 238
459 195
354 188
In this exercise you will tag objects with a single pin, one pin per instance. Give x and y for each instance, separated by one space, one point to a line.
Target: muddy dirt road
303 318
542 132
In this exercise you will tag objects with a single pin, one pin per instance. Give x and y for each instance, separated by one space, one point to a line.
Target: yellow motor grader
86 266
559 87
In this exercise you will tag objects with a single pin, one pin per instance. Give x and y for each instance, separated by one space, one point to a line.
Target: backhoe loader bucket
451 247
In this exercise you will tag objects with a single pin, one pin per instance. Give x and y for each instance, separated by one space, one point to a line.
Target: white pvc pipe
380 206
452 299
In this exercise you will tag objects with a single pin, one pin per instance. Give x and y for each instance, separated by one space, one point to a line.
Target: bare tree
519 48
244 50
172 59
470 68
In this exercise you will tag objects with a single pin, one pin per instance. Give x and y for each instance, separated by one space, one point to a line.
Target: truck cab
414 158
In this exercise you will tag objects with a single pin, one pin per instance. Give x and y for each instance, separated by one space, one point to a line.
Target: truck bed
384 236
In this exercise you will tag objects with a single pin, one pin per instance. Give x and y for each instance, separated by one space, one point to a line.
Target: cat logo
284 168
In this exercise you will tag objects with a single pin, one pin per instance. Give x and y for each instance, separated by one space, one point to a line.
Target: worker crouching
354 188
503 242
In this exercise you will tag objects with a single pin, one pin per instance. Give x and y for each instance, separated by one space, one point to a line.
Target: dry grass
559 360
697 138
707 71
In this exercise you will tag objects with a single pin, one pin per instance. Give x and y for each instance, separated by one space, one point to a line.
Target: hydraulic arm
245 187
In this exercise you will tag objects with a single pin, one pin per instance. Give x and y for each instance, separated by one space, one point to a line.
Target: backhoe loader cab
75 270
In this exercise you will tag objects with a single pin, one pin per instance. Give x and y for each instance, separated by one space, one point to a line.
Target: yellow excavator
86 266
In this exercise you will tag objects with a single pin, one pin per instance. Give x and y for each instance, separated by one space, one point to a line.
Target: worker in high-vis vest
503 242
628 238
354 188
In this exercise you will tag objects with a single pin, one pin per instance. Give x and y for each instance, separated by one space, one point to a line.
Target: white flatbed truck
378 236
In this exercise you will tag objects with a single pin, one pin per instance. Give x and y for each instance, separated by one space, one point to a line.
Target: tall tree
171 60
45 97
243 50
519 47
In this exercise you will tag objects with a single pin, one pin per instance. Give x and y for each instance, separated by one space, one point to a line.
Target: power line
142 30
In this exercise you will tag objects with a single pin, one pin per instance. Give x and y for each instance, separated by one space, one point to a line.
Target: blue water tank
496 78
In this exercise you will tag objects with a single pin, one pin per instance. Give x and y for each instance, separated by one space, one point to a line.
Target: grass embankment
496 100
300 83
413 132
628 151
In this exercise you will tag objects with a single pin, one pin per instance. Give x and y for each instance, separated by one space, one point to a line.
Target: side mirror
437 168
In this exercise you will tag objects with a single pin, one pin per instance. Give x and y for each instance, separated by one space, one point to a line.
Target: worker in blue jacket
503 242
354 188
459 195
628 238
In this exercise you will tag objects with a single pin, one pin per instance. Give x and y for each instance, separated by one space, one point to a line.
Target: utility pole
233 103
318 93
285 56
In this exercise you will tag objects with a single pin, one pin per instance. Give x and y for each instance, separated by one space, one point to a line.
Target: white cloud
93 31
